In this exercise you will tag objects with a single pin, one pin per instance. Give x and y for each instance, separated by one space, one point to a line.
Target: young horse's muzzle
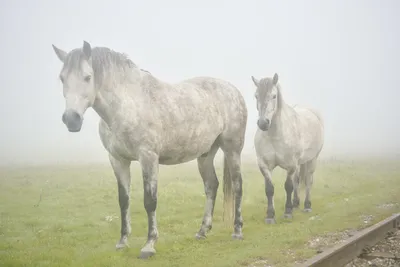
72 120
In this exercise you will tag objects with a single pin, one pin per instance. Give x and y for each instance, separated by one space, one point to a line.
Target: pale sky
341 57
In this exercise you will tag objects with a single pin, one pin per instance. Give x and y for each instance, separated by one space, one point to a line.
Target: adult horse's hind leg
210 180
233 162
296 184
309 179
291 176
122 173
232 148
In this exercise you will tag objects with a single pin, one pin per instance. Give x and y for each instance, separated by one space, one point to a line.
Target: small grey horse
147 120
289 137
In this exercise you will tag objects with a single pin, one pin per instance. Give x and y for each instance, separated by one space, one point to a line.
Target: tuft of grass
69 216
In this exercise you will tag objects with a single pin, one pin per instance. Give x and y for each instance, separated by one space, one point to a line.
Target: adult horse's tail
229 196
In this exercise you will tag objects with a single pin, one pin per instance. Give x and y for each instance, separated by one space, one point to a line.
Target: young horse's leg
291 176
210 180
149 164
309 179
122 173
296 184
269 190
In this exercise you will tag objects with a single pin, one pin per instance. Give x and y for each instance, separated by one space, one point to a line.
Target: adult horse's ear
87 50
275 79
61 54
255 81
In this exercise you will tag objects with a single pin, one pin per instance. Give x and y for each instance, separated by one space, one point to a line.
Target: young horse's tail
229 196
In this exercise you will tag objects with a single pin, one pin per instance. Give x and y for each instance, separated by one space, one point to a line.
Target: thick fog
341 57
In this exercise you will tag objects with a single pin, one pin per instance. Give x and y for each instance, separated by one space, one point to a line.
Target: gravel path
389 247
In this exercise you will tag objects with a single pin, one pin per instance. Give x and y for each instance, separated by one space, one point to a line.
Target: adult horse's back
147 120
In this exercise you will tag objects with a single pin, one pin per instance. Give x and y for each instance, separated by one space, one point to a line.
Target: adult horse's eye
87 78
274 96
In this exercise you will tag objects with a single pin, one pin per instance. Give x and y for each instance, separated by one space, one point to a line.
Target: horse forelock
73 60
264 82
265 87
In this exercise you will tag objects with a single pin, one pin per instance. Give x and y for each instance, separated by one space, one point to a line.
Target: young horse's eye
87 78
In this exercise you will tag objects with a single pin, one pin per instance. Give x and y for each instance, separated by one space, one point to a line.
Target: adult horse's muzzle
72 120
263 124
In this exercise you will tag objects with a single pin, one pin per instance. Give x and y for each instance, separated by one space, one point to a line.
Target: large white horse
289 137
147 120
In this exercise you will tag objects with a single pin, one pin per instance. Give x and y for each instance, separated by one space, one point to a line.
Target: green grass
68 227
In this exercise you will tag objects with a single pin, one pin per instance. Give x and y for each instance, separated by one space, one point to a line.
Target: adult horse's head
267 100
78 84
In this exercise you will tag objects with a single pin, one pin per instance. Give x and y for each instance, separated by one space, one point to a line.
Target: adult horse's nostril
75 116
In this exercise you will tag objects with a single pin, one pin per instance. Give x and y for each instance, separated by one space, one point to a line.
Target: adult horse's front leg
121 169
291 176
149 164
269 191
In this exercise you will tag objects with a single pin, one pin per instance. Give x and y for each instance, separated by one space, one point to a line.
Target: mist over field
340 57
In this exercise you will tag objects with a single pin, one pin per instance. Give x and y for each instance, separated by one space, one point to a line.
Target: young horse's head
267 100
78 84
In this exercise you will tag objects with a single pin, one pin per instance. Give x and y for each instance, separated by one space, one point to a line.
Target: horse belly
185 150
185 145
286 157
312 138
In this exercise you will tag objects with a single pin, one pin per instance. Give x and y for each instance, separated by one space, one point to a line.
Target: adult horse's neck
117 80
282 116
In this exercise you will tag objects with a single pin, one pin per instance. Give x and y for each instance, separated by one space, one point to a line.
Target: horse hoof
146 253
270 221
307 210
120 245
200 236
237 236
288 216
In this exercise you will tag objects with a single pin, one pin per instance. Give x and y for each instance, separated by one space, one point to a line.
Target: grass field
69 216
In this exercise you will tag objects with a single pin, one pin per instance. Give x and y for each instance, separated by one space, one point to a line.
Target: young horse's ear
61 54
275 79
255 81
87 50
